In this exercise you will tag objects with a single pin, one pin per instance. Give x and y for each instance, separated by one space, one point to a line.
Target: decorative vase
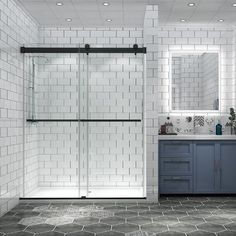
233 130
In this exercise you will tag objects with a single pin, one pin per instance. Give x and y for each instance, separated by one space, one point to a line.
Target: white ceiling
127 13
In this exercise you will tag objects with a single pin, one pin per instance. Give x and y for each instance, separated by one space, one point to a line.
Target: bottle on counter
219 128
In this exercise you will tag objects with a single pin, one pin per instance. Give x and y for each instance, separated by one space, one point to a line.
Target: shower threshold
98 192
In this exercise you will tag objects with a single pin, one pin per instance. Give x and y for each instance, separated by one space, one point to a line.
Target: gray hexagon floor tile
125 228
218 220
210 227
25 214
183 228
68 228
166 220
170 233
126 214
160 208
81 233
111 233
200 233
231 226
41 208
184 208
12 228
97 228
138 208
227 233
59 220
40 228
224 213
51 234
139 220
115 208
150 214
200 213
192 220
21 234
7 220
113 220
154 228
32 220
86 221
140 233
175 213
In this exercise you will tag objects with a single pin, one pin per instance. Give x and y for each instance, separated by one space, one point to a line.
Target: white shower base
73 192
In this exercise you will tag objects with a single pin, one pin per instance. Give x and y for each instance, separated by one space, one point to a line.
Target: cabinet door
175 184
205 171
176 166
228 167
175 149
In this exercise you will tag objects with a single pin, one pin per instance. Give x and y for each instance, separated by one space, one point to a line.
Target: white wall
150 36
17 28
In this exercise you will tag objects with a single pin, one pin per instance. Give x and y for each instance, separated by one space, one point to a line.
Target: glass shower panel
115 128
83 126
52 108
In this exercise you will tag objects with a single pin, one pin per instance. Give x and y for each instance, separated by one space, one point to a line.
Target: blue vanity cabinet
176 167
205 167
197 167
227 167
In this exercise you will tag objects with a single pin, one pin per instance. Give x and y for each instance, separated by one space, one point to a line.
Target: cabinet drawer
175 184
175 149
176 166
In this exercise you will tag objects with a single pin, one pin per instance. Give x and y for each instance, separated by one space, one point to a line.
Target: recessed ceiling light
59 4
234 5
106 4
182 20
68 19
191 4
221 20
109 20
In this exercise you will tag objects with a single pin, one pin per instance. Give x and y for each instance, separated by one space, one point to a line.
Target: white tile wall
150 33
17 28
96 37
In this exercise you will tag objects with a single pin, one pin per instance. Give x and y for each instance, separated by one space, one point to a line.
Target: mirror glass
195 81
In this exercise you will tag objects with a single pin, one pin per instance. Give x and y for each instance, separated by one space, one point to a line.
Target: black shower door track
135 50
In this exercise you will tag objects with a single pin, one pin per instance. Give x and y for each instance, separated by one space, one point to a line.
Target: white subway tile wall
150 34
17 28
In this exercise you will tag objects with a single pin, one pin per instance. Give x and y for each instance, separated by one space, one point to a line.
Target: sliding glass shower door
84 131
111 125
51 153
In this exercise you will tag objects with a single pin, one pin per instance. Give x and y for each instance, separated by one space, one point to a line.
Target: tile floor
171 216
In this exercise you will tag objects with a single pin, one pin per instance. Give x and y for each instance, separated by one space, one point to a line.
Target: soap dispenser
219 128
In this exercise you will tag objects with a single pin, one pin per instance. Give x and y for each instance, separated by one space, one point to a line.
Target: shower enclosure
84 135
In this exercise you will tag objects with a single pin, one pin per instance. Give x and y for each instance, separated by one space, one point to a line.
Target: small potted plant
232 119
